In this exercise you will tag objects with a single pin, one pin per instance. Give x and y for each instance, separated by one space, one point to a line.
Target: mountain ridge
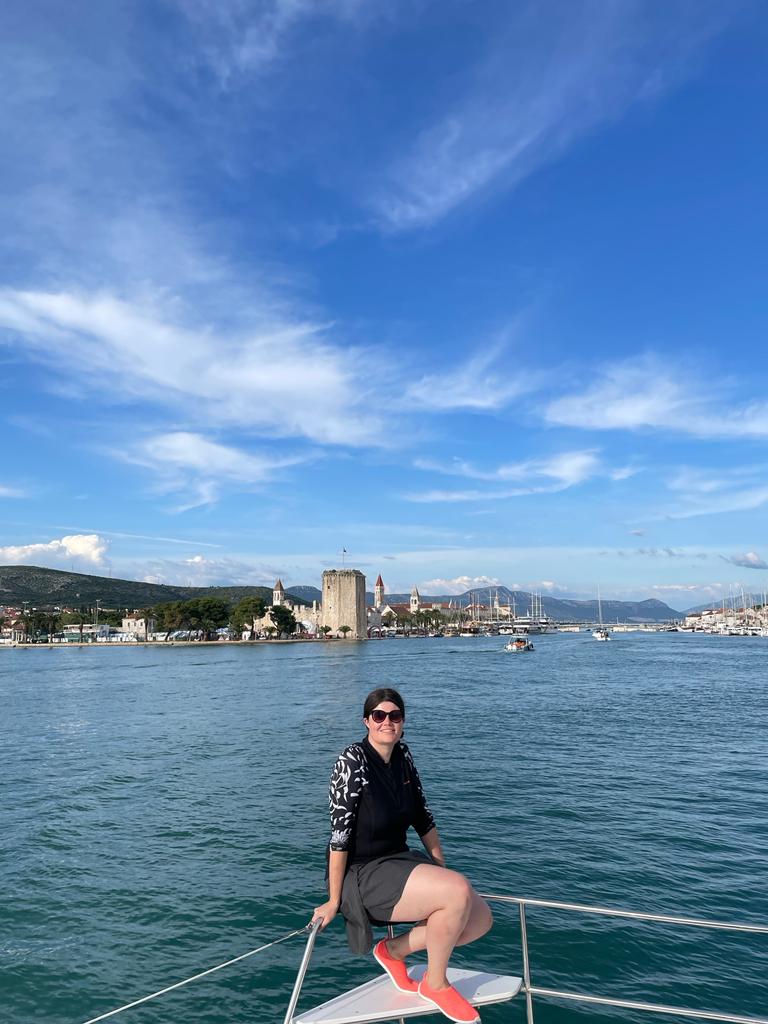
39 586
55 587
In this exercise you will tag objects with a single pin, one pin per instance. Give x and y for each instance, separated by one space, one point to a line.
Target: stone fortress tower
344 602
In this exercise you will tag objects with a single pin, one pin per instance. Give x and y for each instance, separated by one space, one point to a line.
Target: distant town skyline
474 291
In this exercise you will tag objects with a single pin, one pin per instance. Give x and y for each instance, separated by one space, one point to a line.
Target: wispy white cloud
84 551
239 38
555 473
702 492
648 393
688 594
198 467
6 491
480 384
278 376
555 72
655 553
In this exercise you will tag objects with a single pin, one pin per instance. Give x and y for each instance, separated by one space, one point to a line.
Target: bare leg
453 914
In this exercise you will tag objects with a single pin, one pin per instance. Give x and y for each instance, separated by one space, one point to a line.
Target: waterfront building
381 614
344 602
138 625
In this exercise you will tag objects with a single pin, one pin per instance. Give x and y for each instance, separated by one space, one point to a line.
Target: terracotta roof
379 581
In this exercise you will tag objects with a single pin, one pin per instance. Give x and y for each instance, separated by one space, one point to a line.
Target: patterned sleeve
423 820
347 780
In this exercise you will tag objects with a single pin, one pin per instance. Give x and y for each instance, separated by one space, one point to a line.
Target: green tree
325 630
146 614
207 614
344 630
53 624
283 618
245 611
78 618
38 623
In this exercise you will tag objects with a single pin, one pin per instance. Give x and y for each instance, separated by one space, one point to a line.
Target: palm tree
325 630
345 630
146 614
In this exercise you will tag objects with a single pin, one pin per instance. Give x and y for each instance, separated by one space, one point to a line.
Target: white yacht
601 633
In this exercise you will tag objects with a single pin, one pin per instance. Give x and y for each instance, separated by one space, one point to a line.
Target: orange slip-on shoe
396 969
450 1002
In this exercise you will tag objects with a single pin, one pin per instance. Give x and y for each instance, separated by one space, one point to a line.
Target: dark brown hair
376 697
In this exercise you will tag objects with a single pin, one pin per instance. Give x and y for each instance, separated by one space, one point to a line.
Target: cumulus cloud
81 551
749 560
549 585
458 584
202 571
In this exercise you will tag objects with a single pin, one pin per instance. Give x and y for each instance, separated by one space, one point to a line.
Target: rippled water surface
164 809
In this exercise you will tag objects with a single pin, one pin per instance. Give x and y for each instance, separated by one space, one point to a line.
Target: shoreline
130 644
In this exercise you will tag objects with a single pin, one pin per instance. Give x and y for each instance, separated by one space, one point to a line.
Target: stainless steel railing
531 990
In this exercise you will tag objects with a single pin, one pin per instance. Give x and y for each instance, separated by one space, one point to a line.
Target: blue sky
473 290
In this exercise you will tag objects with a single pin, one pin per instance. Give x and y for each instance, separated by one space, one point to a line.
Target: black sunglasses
395 716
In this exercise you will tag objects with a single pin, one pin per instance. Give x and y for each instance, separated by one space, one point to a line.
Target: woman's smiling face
386 731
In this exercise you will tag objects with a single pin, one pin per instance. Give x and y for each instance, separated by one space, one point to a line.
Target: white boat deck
379 1000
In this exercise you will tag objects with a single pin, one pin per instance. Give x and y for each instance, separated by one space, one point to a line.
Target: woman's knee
484 916
459 891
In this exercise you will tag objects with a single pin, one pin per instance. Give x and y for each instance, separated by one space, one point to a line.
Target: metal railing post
313 933
526 966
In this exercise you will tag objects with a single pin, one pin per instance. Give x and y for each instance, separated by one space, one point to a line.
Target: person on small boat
375 795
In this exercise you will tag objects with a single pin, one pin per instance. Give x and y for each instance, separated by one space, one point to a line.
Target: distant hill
308 594
55 587
561 609
751 601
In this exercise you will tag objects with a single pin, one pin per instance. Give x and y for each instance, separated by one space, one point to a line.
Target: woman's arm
337 865
431 841
347 781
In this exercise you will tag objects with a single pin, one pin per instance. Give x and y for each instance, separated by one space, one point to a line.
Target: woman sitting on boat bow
375 795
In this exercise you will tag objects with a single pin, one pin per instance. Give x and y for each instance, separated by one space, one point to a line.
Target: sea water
165 809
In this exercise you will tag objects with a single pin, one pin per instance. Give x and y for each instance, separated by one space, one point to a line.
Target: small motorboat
601 634
518 643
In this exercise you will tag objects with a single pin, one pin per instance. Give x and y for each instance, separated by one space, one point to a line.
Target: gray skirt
372 890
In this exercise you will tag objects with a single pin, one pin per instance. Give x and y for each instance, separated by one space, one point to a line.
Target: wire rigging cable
195 977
